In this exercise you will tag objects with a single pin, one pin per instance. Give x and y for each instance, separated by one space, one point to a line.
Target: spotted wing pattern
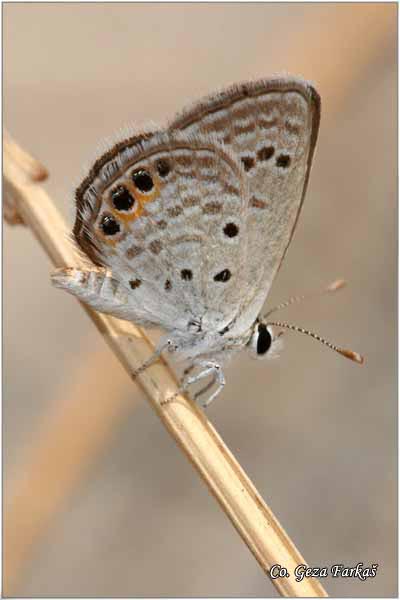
166 214
271 126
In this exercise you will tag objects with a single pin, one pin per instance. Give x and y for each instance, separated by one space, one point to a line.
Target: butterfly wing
271 125
165 213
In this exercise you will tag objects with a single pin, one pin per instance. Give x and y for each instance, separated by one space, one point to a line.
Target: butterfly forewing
271 126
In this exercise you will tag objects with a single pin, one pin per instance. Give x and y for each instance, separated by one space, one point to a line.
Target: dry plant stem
237 496
32 167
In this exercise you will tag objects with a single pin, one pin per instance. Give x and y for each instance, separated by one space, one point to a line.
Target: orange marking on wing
108 241
127 217
120 215
149 197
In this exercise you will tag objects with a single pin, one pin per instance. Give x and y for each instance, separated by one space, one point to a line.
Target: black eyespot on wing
265 153
224 275
168 285
186 274
109 225
135 283
163 167
264 340
248 162
143 180
121 198
283 161
231 230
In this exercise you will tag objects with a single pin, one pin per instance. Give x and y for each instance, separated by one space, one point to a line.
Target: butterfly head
264 341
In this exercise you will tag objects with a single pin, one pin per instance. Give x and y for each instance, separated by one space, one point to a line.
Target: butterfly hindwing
166 214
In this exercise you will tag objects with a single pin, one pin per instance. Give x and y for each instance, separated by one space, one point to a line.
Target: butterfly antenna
343 351
336 285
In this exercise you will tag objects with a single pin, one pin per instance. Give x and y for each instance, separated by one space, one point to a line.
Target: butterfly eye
264 340
142 180
122 198
261 340
109 225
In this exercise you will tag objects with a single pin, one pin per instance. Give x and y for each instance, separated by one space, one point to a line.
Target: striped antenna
336 285
343 351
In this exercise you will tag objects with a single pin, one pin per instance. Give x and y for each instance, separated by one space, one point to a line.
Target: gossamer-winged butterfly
188 225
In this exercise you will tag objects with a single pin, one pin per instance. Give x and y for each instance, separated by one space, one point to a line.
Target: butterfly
187 226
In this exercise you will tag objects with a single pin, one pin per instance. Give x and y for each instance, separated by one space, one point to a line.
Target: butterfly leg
208 368
205 389
163 345
188 370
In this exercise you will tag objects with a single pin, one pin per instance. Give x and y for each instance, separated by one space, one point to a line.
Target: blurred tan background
316 433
